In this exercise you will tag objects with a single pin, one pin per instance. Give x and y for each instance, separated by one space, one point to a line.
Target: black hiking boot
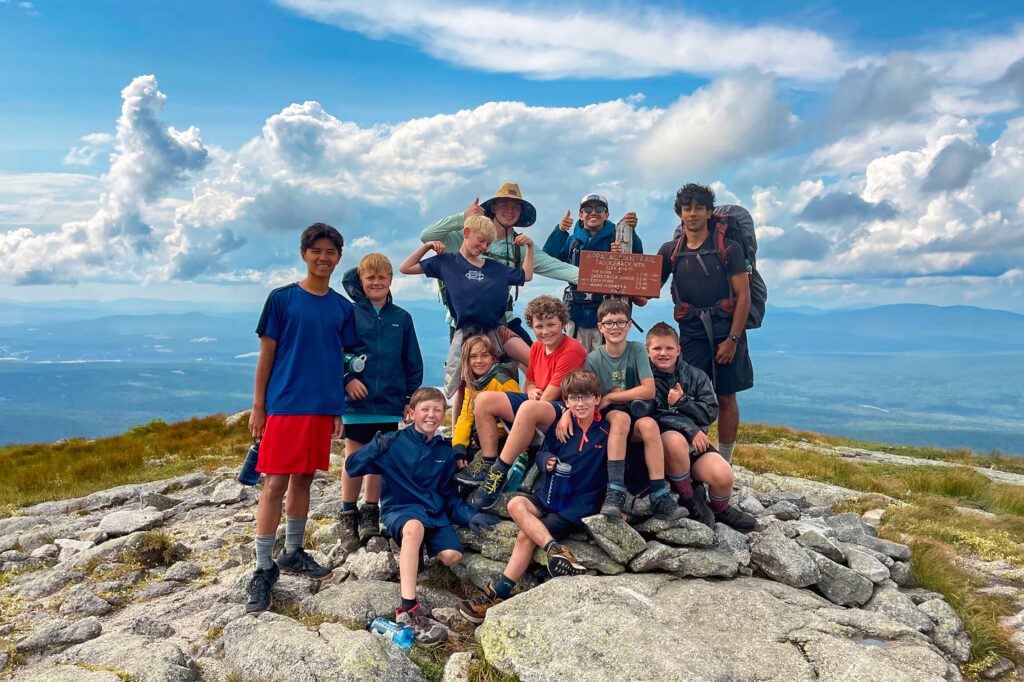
298 562
476 473
666 508
698 507
487 494
260 588
736 519
613 501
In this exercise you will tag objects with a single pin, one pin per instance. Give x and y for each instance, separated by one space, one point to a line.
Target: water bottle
515 474
248 475
557 493
399 634
354 364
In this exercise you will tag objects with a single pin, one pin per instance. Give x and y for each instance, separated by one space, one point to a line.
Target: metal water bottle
248 475
557 493
399 634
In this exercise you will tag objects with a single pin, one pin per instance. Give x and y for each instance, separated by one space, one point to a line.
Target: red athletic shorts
296 444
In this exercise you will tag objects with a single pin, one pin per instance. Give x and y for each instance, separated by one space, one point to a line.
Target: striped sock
682 484
294 529
658 488
717 503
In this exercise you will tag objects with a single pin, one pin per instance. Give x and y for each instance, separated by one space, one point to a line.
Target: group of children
627 417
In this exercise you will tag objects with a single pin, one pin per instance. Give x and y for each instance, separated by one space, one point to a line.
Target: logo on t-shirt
475 275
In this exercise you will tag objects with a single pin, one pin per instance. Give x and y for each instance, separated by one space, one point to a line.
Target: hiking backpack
735 222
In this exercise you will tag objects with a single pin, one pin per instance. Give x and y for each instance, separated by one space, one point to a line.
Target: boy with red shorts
297 407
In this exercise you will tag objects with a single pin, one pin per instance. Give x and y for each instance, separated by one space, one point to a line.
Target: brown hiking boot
474 610
427 630
348 530
562 562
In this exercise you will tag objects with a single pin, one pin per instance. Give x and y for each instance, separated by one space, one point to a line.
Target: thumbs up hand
474 209
566 223
674 394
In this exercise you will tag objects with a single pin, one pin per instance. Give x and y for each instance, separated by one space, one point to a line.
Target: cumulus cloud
890 91
734 118
86 154
149 158
838 207
954 165
560 41
792 243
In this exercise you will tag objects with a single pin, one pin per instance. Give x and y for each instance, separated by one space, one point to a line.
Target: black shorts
730 378
559 527
364 433
620 408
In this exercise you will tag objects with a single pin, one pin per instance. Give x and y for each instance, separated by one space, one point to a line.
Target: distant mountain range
86 331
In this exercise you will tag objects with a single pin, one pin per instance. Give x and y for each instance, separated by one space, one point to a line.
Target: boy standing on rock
379 394
419 501
545 517
298 401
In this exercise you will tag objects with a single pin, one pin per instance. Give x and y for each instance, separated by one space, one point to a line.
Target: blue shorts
516 400
436 540
559 527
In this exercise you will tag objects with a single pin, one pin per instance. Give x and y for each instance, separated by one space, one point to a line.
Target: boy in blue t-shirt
540 525
298 401
476 289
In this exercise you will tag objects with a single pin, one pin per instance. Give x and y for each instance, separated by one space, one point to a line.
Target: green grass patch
43 471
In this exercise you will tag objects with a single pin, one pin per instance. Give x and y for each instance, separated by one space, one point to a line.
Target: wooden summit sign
625 274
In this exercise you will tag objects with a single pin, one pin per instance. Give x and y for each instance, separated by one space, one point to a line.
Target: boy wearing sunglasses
592 232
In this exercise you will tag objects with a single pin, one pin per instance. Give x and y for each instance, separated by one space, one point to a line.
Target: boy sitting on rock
418 500
685 407
541 517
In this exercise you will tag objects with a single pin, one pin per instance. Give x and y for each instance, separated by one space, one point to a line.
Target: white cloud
557 41
365 242
978 58
85 155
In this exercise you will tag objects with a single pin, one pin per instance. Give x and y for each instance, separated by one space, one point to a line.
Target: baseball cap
593 198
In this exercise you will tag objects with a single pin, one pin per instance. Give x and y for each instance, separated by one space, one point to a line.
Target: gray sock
264 551
294 529
725 450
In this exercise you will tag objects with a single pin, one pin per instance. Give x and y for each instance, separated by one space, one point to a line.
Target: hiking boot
666 508
369 523
487 494
426 630
298 562
698 507
613 501
260 587
562 562
736 519
476 473
474 610
348 530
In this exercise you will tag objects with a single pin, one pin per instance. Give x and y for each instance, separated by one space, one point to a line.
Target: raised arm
411 265
523 240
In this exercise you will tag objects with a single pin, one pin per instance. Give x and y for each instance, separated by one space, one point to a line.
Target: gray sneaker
300 563
427 630
613 501
665 507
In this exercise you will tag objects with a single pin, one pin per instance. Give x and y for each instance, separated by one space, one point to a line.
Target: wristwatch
735 339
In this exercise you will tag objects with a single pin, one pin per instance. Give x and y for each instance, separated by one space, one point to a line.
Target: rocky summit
147 583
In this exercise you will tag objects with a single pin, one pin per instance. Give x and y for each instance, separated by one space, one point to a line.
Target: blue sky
175 150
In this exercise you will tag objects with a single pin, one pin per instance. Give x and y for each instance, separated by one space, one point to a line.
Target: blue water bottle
557 493
399 634
515 474
248 475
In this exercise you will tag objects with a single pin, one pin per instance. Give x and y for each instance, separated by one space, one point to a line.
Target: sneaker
562 562
487 494
260 587
369 523
300 563
476 473
698 507
666 508
613 501
348 531
474 610
736 519
426 630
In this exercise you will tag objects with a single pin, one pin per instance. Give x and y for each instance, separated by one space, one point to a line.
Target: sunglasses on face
593 209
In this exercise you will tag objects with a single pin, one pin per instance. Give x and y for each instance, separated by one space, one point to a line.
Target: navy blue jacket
587 453
416 478
566 248
394 366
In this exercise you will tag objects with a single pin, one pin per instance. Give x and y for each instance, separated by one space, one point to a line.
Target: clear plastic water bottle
399 634
248 474
515 474
557 493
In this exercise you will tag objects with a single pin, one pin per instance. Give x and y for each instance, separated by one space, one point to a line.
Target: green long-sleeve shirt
448 231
